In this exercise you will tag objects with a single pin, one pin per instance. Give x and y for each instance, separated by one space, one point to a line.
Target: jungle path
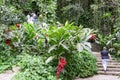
112 73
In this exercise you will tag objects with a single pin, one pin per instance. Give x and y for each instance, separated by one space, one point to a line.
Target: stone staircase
113 66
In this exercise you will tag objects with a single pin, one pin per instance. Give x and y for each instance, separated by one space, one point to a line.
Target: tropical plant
36 39
79 64
67 39
105 40
34 68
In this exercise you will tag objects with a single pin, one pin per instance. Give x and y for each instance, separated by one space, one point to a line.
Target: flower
92 36
18 25
60 67
8 41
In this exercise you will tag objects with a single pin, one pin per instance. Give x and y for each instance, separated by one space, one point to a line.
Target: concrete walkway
101 77
7 75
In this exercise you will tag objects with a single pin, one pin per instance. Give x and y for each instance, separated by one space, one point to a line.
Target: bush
6 60
9 15
34 68
80 65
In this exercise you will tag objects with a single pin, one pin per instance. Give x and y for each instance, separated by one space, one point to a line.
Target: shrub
10 15
34 68
80 65
6 60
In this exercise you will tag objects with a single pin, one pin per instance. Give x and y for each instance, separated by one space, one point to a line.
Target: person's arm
109 56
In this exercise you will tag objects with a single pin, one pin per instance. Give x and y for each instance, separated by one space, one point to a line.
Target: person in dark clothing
105 56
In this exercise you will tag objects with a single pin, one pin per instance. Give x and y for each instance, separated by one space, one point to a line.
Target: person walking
105 56
31 18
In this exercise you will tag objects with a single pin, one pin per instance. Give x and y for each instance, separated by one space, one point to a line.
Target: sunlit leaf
52 48
64 46
79 47
88 44
49 59
87 48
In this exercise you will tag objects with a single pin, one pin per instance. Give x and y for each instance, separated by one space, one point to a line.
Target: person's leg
104 63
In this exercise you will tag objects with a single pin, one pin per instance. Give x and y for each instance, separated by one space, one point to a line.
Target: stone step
113 66
109 73
95 52
109 63
110 69
110 66
97 56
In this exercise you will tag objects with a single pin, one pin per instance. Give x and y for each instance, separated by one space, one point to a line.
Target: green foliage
116 33
81 64
85 19
39 39
46 9
67 39
36 39
34 68
70 12
105 40
7 55
6 60
74 11
9 15
116 49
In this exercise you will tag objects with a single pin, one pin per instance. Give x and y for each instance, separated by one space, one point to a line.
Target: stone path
7 75
101 77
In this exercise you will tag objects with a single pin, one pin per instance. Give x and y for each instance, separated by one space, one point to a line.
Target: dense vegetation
63 29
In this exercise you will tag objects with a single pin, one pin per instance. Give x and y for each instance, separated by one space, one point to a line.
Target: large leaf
79 47
88 44
52 48
64 46
87 48
49 59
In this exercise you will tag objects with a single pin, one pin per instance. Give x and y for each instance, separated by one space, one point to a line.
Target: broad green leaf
64 46
66 23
